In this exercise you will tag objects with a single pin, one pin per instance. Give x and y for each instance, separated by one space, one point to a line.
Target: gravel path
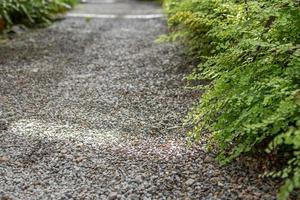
92 109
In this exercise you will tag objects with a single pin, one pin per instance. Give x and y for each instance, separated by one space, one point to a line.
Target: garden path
91 108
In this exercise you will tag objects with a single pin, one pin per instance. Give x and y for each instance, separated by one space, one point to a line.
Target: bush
250 51
32 12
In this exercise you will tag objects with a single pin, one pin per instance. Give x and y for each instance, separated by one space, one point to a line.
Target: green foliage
32 12
250 50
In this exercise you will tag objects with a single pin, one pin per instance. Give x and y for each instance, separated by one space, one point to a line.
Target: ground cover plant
250 52
31 12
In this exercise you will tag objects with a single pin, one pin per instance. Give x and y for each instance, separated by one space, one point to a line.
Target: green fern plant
250 52
32 12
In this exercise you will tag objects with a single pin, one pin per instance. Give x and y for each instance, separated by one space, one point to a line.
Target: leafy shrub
32 12
250 50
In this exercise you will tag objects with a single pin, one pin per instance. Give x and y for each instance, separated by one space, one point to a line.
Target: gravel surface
92 109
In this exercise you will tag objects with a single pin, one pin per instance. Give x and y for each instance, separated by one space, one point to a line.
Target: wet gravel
92 109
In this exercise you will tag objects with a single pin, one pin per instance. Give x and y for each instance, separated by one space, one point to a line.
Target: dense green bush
32 12
250 51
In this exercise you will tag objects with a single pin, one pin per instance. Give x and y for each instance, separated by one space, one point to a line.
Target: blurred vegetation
249 50
31 12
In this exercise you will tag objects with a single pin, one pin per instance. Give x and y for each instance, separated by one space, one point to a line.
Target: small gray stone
190 182
133 197
138 179
113 195
208 159
3 125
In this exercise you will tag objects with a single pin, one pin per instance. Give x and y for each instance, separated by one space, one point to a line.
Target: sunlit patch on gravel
152 148
147 147
38 129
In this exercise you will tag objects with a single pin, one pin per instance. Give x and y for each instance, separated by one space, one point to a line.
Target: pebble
139 179
190 182
3 125
112 196
133 197
3 159
208 159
